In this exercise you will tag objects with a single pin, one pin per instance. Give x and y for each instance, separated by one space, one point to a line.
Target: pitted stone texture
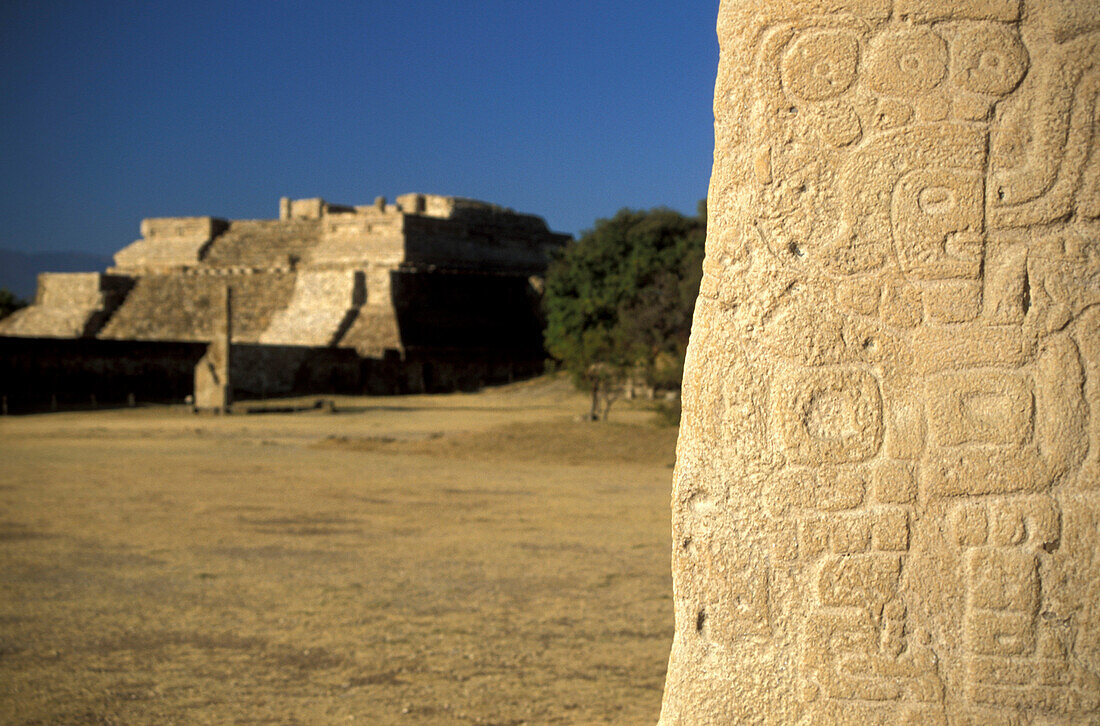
887 489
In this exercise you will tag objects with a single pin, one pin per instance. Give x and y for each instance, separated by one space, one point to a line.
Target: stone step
174 307
320 309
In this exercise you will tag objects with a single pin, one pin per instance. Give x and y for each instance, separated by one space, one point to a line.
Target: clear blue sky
117 110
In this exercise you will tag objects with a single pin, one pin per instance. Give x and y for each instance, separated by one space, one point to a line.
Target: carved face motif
936 217
906 63
987 59
820 65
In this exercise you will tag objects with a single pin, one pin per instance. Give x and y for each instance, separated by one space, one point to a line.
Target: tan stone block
785 544
860 295
893 483
953 302
1001 671
979 470
828 415
1053 673
905 424
1033 521
926 10
890 530
1002 579
813 538
971 347
850 534
1000 633
986 407
858 580
902 304
971 525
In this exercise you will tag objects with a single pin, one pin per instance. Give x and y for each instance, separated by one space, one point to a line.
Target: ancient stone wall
169 243
887 488
313 208
374 331
446 310
263 371
263 244
306 208
490 243
35 373
367 239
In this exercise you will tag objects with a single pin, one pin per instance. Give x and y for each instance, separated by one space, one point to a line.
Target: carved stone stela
887 491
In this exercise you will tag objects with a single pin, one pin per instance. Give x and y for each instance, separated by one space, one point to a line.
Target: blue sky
119 110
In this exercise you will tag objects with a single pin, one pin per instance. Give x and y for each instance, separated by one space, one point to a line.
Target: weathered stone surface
188 306
169 243
213 388
887 491
324 304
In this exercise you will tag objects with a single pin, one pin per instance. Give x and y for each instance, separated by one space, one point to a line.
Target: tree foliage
9 303
619 300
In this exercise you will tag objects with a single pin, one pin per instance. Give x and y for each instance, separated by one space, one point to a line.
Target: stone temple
428 293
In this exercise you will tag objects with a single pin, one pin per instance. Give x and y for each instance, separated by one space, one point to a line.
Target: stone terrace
427 282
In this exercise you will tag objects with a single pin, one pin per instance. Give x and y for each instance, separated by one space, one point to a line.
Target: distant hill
19 270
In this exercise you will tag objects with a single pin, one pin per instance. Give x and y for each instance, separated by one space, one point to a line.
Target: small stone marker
887 490
213 389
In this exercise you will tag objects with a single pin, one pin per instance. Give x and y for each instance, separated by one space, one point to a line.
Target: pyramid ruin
428 293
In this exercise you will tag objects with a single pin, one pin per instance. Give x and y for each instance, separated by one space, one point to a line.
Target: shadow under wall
44 374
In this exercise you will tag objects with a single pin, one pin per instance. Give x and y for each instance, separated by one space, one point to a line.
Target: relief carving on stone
888 482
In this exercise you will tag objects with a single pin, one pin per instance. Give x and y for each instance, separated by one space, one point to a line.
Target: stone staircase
41 321
67 305
186 307
322 307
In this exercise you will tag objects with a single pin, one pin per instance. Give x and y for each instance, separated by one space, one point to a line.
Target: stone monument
887 490
213 388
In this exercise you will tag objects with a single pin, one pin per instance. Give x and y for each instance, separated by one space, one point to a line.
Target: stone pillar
213 387
887 490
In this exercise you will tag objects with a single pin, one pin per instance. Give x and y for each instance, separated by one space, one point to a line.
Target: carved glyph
887 490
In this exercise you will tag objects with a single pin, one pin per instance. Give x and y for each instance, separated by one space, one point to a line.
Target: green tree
9 303
619 301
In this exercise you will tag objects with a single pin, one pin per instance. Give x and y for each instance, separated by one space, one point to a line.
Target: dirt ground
456 559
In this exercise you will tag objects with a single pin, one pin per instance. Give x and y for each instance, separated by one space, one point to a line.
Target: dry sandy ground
458 559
